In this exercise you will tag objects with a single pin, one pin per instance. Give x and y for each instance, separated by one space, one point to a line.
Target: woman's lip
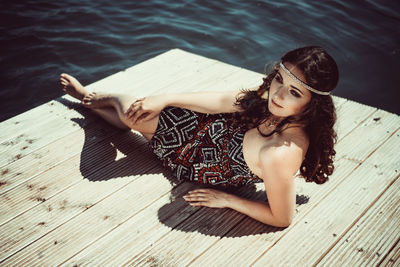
276 104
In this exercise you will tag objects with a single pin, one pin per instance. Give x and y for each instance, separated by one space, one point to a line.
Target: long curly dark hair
318 117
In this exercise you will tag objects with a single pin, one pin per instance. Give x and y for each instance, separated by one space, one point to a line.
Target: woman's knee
147 127
123 102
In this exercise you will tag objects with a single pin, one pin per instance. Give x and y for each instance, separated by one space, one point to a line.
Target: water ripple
93 39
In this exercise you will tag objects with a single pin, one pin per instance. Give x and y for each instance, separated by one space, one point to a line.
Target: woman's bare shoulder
285 152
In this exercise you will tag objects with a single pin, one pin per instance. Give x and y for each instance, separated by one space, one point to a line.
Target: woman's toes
64 81
63 76
86 101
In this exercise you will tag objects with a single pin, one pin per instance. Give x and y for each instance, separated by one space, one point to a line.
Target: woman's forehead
299 75
295 71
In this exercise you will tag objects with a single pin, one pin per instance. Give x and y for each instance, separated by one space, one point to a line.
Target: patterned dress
201 147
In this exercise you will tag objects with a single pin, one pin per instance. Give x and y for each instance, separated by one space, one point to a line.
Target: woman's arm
280 207
278 167
218 199
204 102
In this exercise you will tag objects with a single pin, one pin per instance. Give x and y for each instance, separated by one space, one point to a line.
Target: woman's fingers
144 109
197 201
197 192
132 111
129 111
199 197
195 197
198 204
201 190
206 197
138 113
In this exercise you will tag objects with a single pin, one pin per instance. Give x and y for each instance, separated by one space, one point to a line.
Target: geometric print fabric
201 147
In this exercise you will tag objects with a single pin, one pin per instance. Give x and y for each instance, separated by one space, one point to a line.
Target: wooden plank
143 230
139 232
172 71
359 144
331 219
393 258
338 101
196 234
45 186
371 238
35 137
144 76
79 232
343 166
18 125
249 238
366 138
53 154
67 203
214 76
350 114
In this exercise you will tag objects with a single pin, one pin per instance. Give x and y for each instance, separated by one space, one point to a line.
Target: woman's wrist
165 100
231 201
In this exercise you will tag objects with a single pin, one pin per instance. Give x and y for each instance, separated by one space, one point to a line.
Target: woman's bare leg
111 116
110 107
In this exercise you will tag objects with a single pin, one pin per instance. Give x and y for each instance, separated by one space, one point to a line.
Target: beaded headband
297 80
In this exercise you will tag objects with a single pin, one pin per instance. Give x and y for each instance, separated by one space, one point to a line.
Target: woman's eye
278 79
294 93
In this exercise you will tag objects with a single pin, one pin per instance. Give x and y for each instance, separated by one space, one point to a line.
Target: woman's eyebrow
291 85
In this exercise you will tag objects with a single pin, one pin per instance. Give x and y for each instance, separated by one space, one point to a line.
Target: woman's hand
208 198
145 108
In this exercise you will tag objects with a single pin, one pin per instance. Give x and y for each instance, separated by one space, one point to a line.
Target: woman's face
286 96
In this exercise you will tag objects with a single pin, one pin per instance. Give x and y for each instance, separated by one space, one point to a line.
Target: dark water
93 39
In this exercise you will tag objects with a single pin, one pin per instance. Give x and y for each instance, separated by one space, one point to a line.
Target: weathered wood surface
75 191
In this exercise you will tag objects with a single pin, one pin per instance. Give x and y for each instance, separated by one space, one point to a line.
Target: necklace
270 123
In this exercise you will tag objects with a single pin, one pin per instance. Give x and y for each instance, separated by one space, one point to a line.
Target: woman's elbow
283 222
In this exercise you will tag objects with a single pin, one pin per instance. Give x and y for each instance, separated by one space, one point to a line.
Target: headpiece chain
291 75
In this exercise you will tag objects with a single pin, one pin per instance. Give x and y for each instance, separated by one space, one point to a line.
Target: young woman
265 134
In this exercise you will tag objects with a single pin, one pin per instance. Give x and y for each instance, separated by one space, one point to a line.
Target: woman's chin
276 111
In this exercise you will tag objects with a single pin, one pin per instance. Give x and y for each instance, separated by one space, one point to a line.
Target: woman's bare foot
72 86
90 100
97 100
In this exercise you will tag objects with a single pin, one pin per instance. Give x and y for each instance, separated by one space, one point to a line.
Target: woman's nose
280 92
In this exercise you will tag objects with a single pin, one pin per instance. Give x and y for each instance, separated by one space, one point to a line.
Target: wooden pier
75 191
